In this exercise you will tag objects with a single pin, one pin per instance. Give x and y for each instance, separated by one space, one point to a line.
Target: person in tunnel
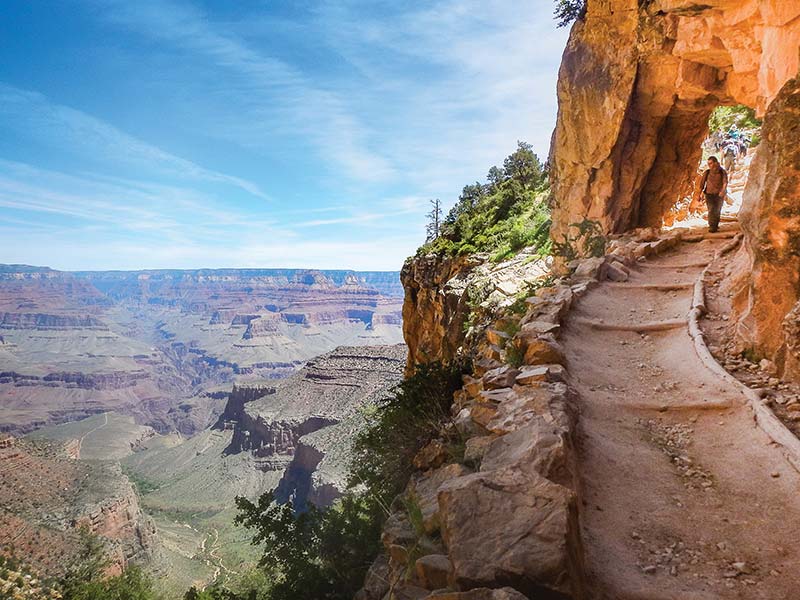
714 187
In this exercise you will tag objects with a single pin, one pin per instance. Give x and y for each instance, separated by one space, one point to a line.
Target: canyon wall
46 496
637 84
151 343
765 278
302 427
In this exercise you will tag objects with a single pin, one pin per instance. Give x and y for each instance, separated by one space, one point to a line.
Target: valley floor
683 496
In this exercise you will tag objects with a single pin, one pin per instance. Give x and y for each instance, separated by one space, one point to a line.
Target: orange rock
636 87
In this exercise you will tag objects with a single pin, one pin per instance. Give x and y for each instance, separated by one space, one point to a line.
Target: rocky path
88 433
683 497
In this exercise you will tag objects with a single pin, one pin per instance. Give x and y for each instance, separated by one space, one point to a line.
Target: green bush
418 413
86 579
503 215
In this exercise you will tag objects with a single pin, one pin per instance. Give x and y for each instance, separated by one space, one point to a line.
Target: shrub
85 578
725 117
418 413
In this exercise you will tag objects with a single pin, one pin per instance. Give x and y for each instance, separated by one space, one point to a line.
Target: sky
257 133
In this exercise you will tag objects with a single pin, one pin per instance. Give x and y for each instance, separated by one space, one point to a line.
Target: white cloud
33 115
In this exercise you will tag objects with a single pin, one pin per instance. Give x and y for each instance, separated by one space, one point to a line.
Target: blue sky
199 133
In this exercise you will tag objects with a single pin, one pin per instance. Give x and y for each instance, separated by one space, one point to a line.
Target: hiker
714 186
729 155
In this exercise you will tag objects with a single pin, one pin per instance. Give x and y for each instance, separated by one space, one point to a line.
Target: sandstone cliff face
766 281
447 297
435 307
637 84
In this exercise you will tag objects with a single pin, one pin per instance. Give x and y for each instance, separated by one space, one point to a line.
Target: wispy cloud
285 98
56 125
351 114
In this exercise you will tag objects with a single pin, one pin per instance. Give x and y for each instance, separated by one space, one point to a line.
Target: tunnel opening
732 135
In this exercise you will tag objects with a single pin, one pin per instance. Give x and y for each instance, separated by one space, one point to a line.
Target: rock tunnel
638 81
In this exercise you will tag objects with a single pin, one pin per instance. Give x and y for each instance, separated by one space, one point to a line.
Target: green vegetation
725 117
507 213
417 414
86 578
568 11
325 554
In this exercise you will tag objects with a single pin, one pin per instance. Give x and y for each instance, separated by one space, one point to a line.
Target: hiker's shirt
714 181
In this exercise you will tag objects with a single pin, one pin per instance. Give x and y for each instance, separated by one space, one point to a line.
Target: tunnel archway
636 88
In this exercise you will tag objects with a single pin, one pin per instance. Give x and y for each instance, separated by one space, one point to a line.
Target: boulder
376 582
544 401
512 527
538 348
538 447
432 571
537 327
424 488
483 365
534 374
501 377
496 337
472 386
432 456
616 271
589 268
476 447
407 591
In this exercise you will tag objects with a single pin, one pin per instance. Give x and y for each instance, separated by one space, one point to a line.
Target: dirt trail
91 431
683 497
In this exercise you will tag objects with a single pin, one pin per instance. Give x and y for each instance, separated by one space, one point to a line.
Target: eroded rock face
435 307
443 293
635 90
767 286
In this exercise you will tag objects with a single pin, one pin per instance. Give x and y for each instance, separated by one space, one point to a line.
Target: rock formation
150 343
302 426
45 496
766 281
637 84
443 294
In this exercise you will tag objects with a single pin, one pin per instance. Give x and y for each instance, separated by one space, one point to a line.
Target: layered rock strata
46 496
303 426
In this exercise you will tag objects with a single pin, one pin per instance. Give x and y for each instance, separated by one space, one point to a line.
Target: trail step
697 265
656 287
648 326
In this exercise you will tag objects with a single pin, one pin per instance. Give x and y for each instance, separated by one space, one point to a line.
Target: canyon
627 426
166 346
140 404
